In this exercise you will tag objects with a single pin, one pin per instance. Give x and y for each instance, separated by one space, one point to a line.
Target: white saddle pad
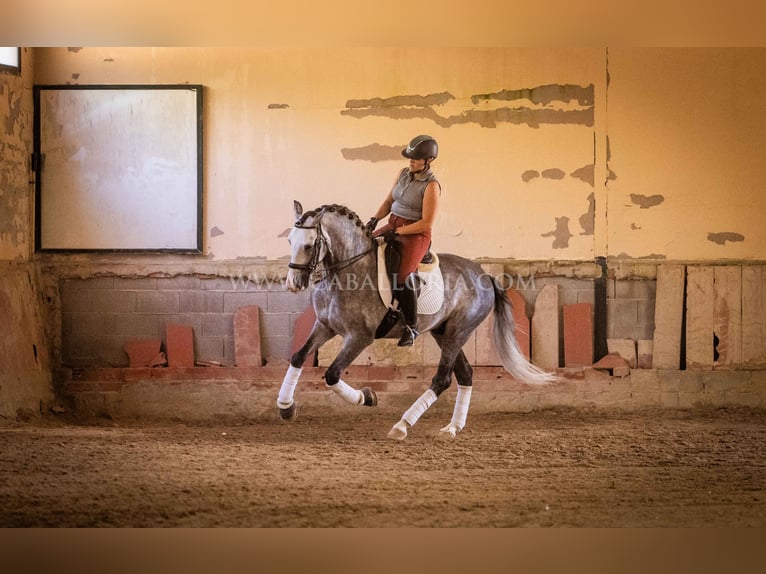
431 284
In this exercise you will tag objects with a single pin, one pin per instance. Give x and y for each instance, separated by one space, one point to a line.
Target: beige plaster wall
288 124
524 178
687 130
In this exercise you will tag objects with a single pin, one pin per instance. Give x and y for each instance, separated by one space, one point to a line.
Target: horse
331 246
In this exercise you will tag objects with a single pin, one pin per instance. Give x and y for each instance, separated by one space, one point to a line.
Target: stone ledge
204 393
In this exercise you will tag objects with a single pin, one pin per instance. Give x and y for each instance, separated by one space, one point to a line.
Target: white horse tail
511 356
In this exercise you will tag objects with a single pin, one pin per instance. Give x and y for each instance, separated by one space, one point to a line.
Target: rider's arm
385 207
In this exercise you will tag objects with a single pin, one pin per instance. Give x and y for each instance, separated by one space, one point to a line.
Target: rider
412 202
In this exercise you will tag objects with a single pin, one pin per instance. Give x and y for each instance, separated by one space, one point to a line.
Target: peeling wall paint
374 152
588 219
585 173
561 234
646 201
722 237
409 107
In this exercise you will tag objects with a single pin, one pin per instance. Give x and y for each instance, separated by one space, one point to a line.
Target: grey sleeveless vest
408 193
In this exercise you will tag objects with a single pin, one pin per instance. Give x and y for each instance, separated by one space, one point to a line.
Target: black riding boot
408 300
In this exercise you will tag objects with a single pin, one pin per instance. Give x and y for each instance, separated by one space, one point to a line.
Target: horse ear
297 208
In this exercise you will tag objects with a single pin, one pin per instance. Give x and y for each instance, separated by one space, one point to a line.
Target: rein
315 260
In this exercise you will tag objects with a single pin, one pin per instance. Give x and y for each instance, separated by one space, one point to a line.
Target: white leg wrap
347 393
461 407
287 390
420 406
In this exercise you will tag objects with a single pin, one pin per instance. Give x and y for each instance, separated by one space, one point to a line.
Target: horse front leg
352 346
319 335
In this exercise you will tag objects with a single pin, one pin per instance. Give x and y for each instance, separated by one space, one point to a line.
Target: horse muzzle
297 280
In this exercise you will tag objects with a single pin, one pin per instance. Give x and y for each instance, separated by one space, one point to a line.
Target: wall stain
215 231
408 107
723 237
588 219
646 201
529 175
74 49
585 173
623 255
553 173
373 152
561 234
278 106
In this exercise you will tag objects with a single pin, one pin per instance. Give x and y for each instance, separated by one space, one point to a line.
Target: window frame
12 69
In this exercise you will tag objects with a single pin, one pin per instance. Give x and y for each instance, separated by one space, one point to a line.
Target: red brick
520 319
142 352
247 337
303 326
578 335
180 346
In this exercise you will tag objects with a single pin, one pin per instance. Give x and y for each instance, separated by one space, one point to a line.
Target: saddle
429 284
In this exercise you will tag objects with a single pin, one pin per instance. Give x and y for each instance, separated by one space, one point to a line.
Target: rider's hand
370 226
390 235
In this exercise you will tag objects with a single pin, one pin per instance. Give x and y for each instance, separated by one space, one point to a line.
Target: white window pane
9 57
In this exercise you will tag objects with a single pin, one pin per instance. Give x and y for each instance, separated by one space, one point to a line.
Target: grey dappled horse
332 241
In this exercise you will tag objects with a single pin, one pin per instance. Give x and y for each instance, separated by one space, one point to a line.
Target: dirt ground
547 468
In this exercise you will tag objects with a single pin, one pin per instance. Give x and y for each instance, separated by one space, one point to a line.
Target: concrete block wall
630 308
99 314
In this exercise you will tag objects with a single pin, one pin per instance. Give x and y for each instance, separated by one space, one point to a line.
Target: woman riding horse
412 203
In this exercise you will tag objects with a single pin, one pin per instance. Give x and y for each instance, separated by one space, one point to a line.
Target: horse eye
307 247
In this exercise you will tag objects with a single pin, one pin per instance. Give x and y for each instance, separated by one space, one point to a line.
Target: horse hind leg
464 375
441 382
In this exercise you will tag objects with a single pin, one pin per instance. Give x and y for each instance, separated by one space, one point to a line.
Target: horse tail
511 356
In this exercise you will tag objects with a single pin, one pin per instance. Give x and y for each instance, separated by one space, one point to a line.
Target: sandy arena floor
546 468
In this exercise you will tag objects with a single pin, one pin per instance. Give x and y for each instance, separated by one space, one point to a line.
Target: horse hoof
448 432
370 398
288 413
398 431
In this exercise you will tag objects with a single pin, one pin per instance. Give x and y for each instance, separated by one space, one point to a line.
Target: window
119 168
10 60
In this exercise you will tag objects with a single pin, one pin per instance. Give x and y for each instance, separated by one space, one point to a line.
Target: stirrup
409 334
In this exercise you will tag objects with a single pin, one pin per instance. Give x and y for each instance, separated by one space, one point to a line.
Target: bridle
320 244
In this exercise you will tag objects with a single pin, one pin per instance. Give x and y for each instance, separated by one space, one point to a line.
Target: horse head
332 235
308 248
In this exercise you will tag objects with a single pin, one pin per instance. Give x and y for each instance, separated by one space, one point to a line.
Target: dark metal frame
38 161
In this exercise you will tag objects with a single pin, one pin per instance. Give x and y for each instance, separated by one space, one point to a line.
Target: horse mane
341 210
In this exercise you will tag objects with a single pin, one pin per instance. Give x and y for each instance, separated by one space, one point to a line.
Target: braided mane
341 210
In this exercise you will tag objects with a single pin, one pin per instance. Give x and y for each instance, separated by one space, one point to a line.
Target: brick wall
100 314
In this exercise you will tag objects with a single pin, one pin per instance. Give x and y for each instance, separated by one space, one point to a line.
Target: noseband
318 242
315 260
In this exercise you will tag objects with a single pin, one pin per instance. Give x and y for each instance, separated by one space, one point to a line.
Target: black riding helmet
422 147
